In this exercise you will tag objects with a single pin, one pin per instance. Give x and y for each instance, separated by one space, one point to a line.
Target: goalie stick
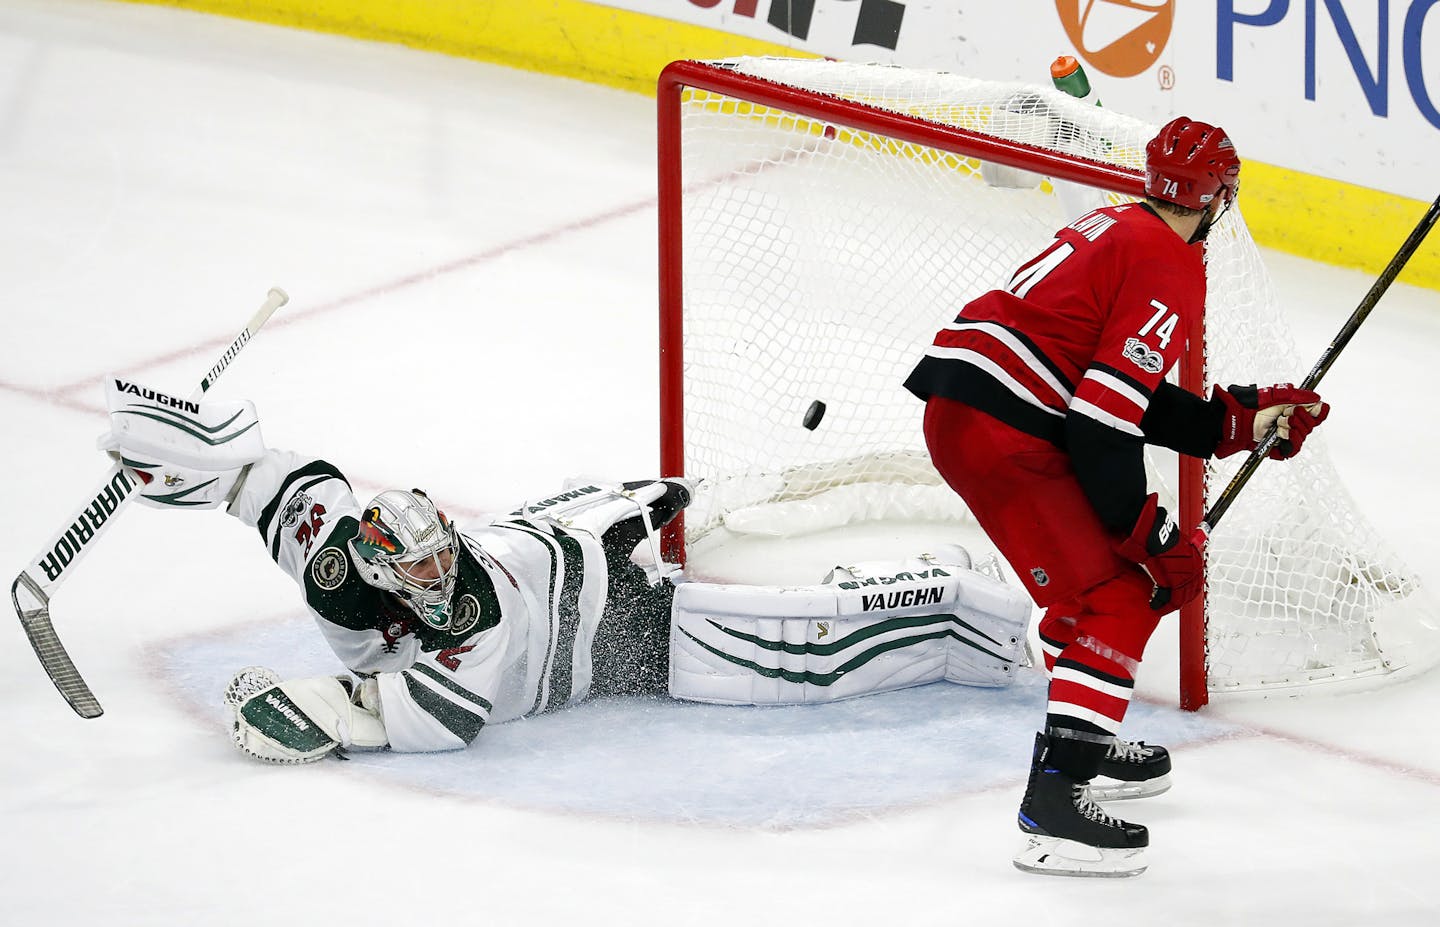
1323 365
39 581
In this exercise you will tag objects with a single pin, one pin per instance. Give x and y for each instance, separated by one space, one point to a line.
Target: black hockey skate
1069 833
1131 769
678 493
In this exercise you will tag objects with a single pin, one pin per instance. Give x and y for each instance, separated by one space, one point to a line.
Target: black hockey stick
58 558
1326 361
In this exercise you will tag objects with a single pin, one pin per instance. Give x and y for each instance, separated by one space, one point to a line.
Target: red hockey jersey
1089 327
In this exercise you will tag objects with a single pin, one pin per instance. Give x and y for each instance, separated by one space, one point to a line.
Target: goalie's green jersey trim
460 721
359 606
459 690
320 469
559 659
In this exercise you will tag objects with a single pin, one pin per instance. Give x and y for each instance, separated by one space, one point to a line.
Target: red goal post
787 188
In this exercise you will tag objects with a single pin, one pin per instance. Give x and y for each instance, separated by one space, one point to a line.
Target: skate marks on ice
659 760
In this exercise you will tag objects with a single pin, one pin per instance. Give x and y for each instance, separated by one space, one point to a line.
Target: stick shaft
37 583
1322 366
273 300
71 543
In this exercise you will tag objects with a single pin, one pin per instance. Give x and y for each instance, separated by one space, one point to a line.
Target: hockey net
820 220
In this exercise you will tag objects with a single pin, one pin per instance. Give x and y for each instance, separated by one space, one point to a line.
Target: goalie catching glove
1175 564
188 454
303 720
1250 412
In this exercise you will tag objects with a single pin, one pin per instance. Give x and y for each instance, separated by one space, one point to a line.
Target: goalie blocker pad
871 630
188 453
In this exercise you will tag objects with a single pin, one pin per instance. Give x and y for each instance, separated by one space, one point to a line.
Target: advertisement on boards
1343 89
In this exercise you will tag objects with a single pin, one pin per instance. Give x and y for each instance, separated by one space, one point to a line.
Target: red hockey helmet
1190 162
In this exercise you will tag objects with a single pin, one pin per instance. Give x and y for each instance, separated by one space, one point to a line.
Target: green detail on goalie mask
273 714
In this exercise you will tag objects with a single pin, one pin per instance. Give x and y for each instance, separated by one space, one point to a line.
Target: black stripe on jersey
459 690
461 722
1123 377
962 382
1034 350
1052 642
1094 673
316 468
1068 727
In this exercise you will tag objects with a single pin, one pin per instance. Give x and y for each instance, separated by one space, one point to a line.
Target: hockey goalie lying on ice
450 631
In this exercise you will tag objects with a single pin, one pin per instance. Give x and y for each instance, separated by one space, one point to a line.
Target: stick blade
57 663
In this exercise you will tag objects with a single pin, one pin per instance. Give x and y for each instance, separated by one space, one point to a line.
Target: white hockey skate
1055 856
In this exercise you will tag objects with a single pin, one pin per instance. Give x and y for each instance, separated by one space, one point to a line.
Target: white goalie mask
407 546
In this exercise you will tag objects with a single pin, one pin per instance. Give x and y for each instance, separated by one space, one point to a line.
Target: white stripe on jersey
977 359
1106 723
1105 418
1116 385
1082 678
1017 347
449 689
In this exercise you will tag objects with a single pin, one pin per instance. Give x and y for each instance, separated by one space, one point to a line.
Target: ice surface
667 761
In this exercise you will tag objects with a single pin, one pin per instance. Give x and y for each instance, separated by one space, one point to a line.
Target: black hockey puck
813 415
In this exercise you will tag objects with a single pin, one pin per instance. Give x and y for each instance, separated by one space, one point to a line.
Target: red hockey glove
1249 413
1174 563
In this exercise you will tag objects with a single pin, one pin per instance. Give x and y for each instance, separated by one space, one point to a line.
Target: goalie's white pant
772 645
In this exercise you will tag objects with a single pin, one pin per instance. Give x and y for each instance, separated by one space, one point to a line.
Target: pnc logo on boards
1121 38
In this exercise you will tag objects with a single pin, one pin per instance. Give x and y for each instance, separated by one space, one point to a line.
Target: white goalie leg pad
1001 612
189 454
887 627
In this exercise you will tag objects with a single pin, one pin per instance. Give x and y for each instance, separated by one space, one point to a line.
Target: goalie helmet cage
819 220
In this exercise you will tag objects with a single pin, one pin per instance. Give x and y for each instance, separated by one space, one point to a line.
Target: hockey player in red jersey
1040 398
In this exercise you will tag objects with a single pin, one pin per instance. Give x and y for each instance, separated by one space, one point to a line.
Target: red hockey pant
1024 494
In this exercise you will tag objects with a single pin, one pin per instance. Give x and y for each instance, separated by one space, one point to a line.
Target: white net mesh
818 261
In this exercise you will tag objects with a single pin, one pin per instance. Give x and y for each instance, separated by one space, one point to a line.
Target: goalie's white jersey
528 600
